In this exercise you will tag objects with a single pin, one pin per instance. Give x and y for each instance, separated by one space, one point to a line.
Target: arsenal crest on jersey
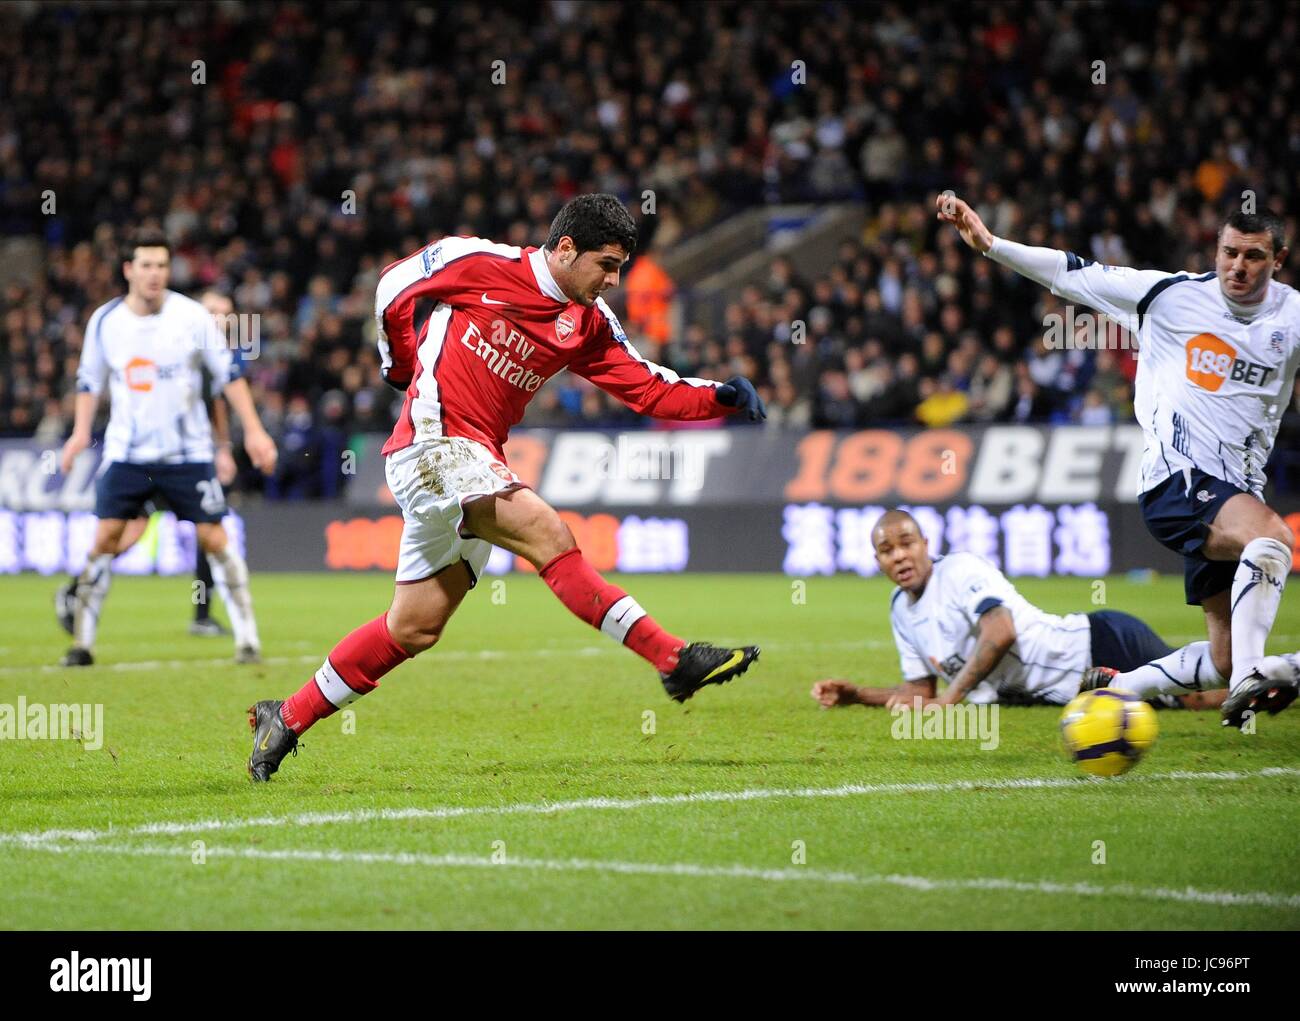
564 325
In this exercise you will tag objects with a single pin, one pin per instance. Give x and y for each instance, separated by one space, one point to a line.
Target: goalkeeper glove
738 392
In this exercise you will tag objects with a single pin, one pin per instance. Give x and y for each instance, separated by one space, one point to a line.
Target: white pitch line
1189 894
37 838
454 655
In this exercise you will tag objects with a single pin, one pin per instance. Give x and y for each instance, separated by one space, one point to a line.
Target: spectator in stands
788 409
1094 410
648 291
942 403
835 407
1030 403
990 390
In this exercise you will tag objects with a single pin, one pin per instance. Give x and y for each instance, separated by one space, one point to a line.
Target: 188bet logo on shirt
1211 360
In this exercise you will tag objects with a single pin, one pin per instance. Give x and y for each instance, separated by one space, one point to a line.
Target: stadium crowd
291 152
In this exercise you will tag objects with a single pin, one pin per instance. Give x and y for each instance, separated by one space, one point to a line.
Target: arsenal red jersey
500 328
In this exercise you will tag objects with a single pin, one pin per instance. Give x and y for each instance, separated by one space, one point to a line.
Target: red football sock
609 608
352 669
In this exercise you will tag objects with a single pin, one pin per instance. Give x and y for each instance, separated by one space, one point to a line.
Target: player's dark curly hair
1258 223
593 221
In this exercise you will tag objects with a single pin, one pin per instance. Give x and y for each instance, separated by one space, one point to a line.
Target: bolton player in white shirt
151 346
220 307
956 618
1219 353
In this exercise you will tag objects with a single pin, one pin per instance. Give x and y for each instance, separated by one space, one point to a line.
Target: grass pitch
528 773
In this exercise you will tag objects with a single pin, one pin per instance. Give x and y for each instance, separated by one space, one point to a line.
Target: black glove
738 392
395 380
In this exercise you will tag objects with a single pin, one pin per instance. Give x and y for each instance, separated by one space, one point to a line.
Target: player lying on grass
152 345
1219 354
218 306
956 618
504 320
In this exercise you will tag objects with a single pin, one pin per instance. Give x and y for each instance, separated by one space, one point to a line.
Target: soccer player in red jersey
505 320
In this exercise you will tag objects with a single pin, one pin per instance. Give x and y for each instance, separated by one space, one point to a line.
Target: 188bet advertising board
1036 501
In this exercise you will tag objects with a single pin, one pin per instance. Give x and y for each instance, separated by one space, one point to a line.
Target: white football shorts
431 480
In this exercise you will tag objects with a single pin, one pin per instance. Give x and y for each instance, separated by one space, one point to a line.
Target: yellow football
1106 731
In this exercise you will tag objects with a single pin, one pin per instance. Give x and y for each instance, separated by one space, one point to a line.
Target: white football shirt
153 365
1214 376
936 635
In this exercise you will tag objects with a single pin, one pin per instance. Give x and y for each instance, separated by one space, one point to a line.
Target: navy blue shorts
1124 642
1178 512
191 491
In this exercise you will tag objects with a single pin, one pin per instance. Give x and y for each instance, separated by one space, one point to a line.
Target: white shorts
431 480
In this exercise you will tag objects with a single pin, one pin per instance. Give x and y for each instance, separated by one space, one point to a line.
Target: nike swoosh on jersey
490 301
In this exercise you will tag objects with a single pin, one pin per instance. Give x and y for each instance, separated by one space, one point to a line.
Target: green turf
521 704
